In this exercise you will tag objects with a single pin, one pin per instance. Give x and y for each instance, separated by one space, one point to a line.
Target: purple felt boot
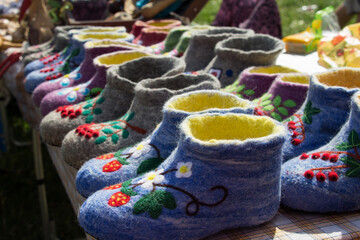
285 96
253 82
91 88
85 71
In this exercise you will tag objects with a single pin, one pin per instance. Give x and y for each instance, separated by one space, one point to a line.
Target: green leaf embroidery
107 131
239 95
249 92
125 133
95 91
276 116
153 202
87 106
128 191
354 165
239 88
89 119
100 100
308 112
277 101
114 138
86 112
122 160
264 103
74 53
289 103
117 127
149 164
354 138
100 140
97 111
268 108
266 96
283 111
126 183
130 116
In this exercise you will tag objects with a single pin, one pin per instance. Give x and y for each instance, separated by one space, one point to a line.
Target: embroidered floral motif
156 199
239 90
72 92
274 108
351 160
184 170
110 129
296 122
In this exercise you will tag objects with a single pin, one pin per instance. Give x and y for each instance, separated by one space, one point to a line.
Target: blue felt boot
72 61
224 173
145 156
327 179
324 111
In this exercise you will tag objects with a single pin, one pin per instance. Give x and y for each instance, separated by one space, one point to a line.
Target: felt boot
72 61
139 121
147 155
113 101
65 47
85 71
235 54
92 87
163 23
253 82
325 110
217 178
327 179
285 96
201 48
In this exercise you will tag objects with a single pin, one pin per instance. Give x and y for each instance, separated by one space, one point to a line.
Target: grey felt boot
202 44
114 100
140 120
235 54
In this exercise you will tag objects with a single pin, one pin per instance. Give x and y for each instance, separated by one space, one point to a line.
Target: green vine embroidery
309 111
239 90
91 108
154 201
93 93
351 160
274 108
110 129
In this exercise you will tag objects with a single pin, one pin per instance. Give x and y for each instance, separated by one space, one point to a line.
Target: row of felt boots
211 165
58 80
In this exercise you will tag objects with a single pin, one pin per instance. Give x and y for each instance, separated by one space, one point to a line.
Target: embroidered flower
151 178
140 149
72 92
183 170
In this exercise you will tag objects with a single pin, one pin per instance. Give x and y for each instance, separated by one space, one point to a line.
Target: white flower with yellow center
183 170
140 149
151 178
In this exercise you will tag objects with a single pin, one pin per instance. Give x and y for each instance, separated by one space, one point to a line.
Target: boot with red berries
327 179
324 111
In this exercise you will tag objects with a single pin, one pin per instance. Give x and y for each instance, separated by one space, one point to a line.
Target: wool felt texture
215 179
285 96
147 155
140 120
327 179
85 71
113 101
253 82
92 87
325 110
63 39
235 54
201 49
71 61
162 23
151 36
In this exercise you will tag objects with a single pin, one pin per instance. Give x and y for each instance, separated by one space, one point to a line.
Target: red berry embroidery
334 158
112 166
118 199
112 187
325 156
315 156
304 156
296 141
106 156
333 176
320 177
309 174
